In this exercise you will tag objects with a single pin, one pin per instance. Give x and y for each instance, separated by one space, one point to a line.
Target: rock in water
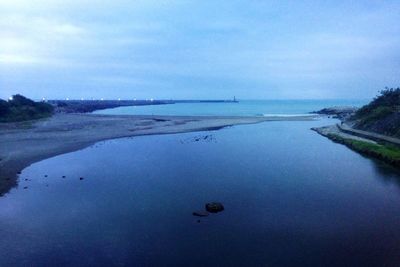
200 213
214 207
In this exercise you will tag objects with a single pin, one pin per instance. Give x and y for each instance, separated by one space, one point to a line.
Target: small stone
25 187
18 172
26 179
200 213
45 175
214 207
63 176
80 178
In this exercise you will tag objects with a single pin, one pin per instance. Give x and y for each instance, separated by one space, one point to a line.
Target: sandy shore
22 144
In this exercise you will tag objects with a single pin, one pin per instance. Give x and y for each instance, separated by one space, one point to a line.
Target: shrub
389 97
4 108
20 108
19 100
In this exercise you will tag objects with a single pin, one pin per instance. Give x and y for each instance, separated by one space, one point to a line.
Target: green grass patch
387 153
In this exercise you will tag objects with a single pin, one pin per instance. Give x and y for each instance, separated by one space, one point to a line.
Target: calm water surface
292 198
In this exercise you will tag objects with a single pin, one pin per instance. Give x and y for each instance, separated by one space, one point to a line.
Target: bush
4 108
20 108
19 100
376 114
61 104
381 115
389 97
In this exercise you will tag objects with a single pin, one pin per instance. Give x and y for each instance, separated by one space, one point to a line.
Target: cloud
189 48
39 40
121 81
17 59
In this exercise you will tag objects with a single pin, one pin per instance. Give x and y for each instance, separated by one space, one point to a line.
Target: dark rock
63 176
18 172
200 213
341 112
80 178
25 187
214 207
45 175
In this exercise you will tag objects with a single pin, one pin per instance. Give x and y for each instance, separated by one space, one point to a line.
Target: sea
291 198
241 108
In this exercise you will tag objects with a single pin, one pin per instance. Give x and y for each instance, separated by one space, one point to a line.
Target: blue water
243 108
292 198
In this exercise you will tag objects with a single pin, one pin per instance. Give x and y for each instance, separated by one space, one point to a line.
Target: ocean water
291 197
243 108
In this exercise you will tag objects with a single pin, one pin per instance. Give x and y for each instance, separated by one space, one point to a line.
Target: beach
22 144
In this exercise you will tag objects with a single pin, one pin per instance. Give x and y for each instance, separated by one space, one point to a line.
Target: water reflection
387 173
291 197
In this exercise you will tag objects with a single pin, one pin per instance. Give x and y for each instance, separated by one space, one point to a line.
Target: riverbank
382 150
22 144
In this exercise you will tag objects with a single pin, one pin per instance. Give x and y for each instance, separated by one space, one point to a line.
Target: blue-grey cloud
198 49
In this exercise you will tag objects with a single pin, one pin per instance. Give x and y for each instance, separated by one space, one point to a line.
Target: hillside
20 108
381 115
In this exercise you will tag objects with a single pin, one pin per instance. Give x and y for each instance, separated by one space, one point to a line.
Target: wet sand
22 144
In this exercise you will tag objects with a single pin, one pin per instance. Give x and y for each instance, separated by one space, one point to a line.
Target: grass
386 153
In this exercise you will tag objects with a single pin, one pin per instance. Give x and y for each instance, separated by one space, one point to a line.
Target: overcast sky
198 49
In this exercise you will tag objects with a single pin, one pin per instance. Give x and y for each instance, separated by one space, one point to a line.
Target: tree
4 108
20 100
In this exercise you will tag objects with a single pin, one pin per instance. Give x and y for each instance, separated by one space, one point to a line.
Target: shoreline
24 143
375 148
86 106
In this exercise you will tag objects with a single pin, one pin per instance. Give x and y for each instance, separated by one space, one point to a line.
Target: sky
198 49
